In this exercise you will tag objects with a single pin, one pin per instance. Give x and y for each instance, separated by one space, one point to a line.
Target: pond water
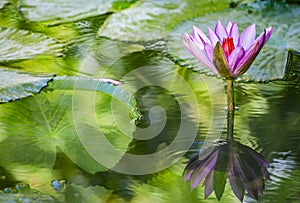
132 145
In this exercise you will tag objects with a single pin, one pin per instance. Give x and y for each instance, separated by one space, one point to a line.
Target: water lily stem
230 109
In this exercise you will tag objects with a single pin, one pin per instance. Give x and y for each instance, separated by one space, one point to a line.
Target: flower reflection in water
245 168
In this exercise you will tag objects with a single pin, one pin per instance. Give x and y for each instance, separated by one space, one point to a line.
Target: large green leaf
21 44
16 85
67 10
108 86
270 63
32 128
292 71
150 20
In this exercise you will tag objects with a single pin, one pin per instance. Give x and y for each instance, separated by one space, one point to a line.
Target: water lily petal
261 162
236 183
200 36
201 55
264 36
200 159
188 175
190 38
228 27
253 173
213 37
254 179
200 173
195 163
248 36
209 51
234 33
221 31
241 171
208 184
253 192
252 52
268 32
185 38
237 54
243 65
260 40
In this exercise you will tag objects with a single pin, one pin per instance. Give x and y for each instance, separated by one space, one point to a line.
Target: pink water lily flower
224 51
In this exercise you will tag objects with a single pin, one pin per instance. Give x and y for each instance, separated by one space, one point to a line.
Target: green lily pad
270 63
32 128
22 44
101 53
152 20
108 86
292 70
16 85
67 10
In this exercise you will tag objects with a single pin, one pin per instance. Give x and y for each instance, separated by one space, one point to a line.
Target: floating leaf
16 85
101 53
108 86
270 63
150 20
66 10
292 70
32 128
22 44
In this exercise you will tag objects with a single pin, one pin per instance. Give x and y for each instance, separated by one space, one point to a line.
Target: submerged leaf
22 44
16 85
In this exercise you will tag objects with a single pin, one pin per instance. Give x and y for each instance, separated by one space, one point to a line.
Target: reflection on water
267 121
245 168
